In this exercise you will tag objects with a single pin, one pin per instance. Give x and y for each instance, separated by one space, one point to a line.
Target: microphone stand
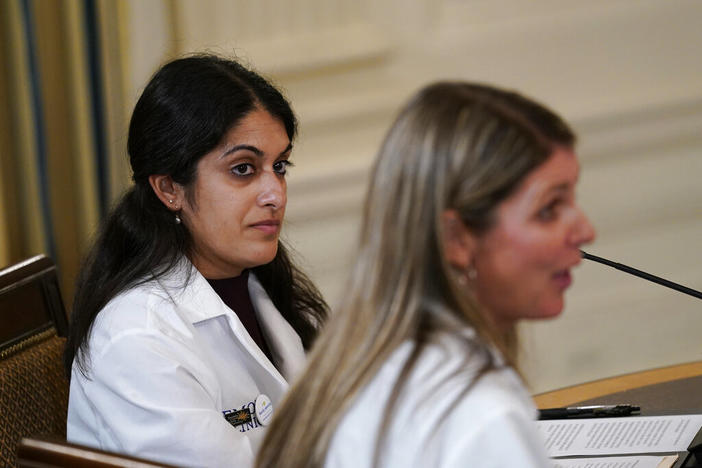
642 274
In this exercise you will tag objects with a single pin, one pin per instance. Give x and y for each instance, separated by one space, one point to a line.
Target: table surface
666 390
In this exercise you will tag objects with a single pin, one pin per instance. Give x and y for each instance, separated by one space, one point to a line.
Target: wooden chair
33 386
46 453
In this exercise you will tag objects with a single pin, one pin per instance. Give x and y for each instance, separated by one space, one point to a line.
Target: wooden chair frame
47 453
32 282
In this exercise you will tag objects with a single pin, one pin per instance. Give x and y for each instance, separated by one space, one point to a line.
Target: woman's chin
263 256
550 311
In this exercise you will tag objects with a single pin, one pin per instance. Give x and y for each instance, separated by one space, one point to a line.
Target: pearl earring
177 219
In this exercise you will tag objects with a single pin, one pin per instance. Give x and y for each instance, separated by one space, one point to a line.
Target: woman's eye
281 167
548 212
243 169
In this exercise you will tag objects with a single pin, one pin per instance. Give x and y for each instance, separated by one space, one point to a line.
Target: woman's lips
563 279
271 226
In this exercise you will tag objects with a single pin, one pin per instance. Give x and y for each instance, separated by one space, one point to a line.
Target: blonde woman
470 225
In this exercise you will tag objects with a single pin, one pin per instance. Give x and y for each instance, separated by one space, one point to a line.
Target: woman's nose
583 232
272 192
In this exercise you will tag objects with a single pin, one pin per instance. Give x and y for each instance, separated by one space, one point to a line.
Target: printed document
619 436
642 461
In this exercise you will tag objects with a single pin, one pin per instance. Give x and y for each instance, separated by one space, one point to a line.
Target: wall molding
603 140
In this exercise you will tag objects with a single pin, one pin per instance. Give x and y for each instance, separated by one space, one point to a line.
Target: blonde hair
454 146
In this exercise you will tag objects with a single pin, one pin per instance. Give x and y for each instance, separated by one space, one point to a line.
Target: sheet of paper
643 461
619 436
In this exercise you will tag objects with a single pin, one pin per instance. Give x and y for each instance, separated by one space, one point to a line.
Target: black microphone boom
642 274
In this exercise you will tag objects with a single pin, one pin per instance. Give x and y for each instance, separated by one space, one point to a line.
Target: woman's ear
459 242
169 192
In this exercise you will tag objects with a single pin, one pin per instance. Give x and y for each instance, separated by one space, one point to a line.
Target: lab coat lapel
285 344
250 345
201 302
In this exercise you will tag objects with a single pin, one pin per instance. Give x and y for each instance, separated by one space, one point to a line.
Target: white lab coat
436 423
167 361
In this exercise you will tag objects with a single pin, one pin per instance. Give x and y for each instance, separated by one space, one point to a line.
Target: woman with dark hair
189 317
470 225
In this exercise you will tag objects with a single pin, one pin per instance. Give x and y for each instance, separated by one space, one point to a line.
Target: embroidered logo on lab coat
239 416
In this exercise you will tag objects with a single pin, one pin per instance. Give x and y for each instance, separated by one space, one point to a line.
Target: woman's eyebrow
287 149
236 148
562 187
251 148
557 188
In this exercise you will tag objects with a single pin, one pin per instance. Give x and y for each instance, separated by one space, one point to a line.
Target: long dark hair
183 113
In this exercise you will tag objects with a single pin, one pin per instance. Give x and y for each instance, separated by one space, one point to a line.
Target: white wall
626 74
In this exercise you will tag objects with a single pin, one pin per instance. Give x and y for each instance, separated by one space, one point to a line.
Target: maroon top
235 293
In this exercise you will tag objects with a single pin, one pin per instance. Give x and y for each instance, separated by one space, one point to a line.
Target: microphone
642 274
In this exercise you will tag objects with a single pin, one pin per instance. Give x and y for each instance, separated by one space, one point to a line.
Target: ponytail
139 241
